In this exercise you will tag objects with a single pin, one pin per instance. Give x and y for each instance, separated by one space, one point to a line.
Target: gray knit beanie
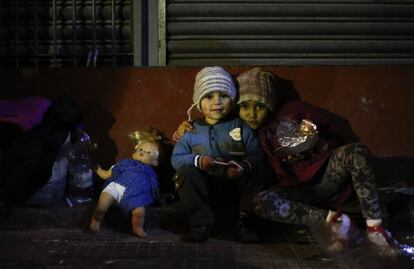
212 79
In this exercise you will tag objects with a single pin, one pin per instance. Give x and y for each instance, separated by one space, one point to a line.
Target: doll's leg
104 202
137 220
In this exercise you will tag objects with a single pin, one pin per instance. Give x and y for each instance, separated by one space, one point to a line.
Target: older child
131 183
316 167
213 163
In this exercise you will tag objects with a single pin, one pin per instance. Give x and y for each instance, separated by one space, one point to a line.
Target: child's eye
209 96
261 106
243 106
223 95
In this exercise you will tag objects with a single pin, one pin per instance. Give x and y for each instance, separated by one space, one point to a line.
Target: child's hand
185 126
207 163
234 170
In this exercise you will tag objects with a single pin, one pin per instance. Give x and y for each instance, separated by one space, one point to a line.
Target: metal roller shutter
324 32
65 33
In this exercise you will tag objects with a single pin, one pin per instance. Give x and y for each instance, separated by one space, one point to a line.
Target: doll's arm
102 173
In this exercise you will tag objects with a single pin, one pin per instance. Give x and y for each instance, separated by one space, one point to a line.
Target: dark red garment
331 129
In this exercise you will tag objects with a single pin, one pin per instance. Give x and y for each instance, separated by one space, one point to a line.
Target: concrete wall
377 101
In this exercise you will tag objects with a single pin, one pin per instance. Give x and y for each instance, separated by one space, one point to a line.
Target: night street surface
57 237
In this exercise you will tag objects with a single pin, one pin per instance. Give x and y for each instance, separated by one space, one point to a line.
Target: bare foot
139 232
95 226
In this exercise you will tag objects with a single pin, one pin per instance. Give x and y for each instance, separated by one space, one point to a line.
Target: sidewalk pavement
56 237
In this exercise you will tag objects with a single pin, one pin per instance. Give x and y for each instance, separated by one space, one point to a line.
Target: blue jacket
223 141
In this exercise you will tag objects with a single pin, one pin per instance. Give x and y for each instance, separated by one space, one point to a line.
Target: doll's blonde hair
146 135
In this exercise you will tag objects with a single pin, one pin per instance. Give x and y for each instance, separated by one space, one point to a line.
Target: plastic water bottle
80 175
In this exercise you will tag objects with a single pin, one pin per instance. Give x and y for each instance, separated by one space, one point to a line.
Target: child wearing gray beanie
214 162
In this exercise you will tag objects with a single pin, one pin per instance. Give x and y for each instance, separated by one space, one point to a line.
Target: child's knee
362 149
187 170
184 173
266 200
356 149
258 200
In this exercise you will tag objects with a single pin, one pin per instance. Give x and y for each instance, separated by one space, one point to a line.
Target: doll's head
214 93
147 148
256 96
147 152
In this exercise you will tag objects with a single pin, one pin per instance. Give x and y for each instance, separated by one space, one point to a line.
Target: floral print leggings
305 204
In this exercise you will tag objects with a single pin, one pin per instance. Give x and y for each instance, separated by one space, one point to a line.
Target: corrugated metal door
65 33
291 32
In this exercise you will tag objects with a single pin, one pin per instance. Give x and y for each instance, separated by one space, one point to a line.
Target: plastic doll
131 183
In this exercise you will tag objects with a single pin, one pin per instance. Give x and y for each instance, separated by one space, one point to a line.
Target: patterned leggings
305 204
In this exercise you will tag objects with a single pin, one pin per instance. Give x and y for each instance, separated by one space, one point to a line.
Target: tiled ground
56 238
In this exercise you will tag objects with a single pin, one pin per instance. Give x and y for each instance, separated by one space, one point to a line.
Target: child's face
215 106
147 153
253 113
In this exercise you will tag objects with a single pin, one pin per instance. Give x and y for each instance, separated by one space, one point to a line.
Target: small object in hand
229 163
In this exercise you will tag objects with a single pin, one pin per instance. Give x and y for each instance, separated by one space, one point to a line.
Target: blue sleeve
182 154
121 166
254 153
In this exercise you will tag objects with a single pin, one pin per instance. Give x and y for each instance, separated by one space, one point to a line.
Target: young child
131 183
215 161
